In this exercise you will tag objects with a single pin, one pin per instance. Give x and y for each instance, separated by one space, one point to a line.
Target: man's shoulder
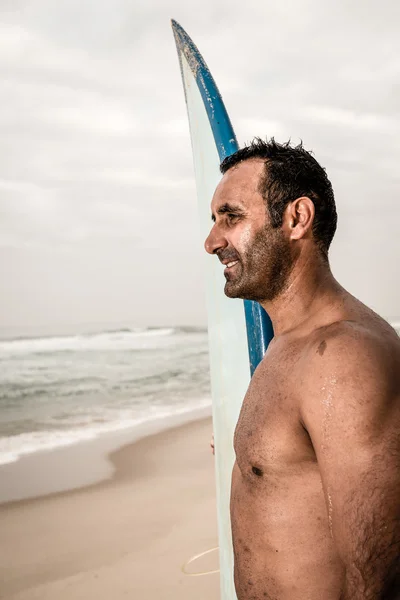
356 356
346 342
352 378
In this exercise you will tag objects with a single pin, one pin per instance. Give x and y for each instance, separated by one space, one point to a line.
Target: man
315 499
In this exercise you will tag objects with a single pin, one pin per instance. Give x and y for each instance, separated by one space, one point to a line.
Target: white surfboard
238 334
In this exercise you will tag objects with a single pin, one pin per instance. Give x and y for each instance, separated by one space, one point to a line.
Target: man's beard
262 271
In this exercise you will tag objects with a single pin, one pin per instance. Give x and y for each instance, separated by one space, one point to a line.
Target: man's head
273 202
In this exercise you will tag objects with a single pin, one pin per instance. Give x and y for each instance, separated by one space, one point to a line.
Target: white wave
14 447
123 340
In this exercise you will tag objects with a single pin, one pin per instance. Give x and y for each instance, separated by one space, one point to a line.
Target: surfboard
238 332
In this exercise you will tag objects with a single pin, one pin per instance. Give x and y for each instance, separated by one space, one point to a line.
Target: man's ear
299 217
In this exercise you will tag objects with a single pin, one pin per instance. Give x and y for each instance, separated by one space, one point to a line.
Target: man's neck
311 291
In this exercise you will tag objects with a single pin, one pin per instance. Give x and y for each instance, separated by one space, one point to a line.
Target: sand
126 537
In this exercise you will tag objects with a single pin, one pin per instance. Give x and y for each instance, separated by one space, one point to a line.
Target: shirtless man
315 499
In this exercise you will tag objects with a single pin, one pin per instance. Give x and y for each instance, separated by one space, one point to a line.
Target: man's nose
215 241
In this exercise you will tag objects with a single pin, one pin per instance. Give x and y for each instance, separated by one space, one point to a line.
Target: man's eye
232 216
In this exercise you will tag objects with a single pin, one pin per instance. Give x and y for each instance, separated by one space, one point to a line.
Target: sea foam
59 391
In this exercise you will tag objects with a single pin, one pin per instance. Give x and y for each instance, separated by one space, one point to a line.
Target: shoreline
79 464
126 535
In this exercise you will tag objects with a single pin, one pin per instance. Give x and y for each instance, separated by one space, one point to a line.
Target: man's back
283 503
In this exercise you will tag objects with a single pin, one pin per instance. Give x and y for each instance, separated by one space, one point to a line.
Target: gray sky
98 213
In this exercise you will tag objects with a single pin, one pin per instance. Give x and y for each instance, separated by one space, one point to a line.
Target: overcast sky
97 198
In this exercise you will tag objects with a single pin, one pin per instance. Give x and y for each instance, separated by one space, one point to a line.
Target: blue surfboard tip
176 28
175 24
224 135
186 46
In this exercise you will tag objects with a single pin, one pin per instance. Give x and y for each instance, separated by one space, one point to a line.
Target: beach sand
126 537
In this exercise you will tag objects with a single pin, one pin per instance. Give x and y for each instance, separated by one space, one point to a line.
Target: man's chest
269 435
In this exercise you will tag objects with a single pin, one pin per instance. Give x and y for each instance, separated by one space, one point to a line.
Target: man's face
257 256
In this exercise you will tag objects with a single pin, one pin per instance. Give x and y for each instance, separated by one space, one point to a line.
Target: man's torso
283 545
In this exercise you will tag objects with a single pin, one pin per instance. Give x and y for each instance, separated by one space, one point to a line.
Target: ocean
59 391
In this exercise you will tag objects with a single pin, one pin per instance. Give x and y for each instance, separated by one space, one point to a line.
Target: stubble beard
263 269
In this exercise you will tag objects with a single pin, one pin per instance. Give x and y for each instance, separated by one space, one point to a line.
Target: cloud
96 159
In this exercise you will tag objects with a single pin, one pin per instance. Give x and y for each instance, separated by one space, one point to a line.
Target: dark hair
291 172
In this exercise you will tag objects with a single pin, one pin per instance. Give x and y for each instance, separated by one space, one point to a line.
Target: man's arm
351 410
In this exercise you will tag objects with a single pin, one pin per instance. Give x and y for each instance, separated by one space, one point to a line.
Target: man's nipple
257 471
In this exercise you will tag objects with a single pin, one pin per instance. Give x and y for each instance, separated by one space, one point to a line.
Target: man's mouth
230 265
229 262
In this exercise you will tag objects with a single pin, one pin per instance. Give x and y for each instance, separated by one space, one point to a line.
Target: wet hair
291 172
